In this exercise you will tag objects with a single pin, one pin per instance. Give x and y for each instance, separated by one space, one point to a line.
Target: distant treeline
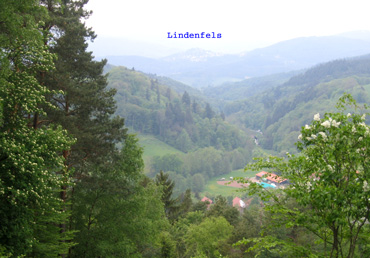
281 111
211 146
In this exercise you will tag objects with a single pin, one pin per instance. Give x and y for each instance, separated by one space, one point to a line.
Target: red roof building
236 202
205 199
273 178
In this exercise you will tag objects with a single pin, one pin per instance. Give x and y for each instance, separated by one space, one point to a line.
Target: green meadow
154 147
214 189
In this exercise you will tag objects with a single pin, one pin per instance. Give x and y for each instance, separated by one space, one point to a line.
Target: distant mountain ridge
281 111
192 55
201 68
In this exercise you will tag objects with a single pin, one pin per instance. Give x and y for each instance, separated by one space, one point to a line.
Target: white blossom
365 186
367 133
360 139
354 129
330 168
316 117
349 114
309 186
323 136
326 124
300 137
335 123
307 127
363 117
313 136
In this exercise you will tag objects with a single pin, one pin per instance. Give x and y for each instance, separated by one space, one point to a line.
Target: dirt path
232 184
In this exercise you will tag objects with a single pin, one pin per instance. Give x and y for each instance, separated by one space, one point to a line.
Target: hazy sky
244 24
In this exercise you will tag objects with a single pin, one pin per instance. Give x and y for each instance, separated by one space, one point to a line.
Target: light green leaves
328 180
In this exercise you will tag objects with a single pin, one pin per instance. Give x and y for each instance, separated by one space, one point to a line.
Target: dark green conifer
167 185
86 106
186 99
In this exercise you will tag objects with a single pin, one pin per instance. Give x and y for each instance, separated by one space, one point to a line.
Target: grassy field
214 189
154 147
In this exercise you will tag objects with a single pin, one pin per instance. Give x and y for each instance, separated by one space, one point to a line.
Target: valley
173 152
224 127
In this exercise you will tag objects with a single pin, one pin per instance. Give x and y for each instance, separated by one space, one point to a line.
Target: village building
236 202
207 200
271 178
239 204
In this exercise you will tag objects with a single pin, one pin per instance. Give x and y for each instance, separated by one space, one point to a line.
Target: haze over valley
201 68
118 139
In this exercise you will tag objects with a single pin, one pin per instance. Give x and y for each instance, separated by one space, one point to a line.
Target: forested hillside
210 145
72 178
200 68
229 92
279 113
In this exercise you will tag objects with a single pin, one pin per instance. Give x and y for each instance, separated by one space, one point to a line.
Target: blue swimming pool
266 185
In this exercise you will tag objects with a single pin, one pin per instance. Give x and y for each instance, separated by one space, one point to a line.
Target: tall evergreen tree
158 95
186 202
209 113
186 99
167 185
87 106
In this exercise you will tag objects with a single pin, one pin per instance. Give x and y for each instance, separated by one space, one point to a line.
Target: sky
243 24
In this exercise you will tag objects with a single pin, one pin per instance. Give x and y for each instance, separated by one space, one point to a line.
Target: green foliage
186 202
279 111
115 213
168 245
166 184
234 91
211 146
205 238
249 226
30 154
87 107
193 170
168 162
181 121
329 184
222 209
86 111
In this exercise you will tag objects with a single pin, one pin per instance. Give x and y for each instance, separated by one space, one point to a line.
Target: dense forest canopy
75 180
209 146
281 111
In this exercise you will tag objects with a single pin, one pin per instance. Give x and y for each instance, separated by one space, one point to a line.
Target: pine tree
186 202
209 113
87 106
158 95
186 99
169 94
167 185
